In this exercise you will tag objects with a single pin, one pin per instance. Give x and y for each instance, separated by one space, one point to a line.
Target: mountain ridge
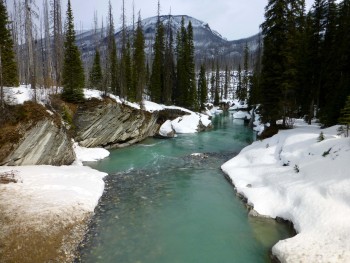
209 44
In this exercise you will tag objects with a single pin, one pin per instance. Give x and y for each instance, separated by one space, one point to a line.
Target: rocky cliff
41 136
112 125
38 138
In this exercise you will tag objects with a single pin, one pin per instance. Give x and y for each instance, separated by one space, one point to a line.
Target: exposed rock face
112 125
43 144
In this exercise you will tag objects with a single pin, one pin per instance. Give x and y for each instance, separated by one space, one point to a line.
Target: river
163 205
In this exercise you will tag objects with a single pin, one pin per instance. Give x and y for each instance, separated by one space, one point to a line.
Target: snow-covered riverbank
45 214
295 176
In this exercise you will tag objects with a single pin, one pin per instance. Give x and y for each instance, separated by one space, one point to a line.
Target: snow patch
84 154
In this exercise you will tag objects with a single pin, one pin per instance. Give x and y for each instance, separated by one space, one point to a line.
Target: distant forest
301 66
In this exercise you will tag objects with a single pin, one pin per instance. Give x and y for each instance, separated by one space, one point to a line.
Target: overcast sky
233 19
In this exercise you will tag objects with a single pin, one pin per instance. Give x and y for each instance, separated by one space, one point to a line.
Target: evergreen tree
111 75
273 61
212 82
345 116
255 92
202 87
192 100
169 65
73 71
139 61
157 75
239 91
181 92
8 64
127 76
290 81
245 79
339 84
316 36
227 81
217 84
95 77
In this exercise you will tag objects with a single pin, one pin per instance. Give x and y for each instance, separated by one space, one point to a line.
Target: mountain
208 43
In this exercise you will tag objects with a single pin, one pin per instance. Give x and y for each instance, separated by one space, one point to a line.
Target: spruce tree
127 69
73 71
181 93
192 100
8 64
340 88
169 66
239 91
345 116
227 82
139 61
202 87
274 31
95 77
245 79
217 84
111 68
157 75
212 82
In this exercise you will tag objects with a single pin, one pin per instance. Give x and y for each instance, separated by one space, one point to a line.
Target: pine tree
73 71
339 89
239 91
111 60
95 78
330 67
212 82
192 100
181 93
127 68
345 116
139 61
274 30
169 66
255 92
8 64
245 79
217 84
202 87
227 81
157 75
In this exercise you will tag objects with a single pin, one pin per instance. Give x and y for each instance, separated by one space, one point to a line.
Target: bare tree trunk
47 47
1 85
57 40
29 41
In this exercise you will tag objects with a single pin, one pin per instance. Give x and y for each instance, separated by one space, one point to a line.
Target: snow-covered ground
295 176
185 124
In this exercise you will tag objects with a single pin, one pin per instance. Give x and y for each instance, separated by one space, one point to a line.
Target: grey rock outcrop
112 125
43 144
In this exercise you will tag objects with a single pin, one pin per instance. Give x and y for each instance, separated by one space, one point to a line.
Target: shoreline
302 179
289 224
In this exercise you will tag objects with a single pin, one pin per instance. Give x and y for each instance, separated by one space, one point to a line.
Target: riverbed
168 201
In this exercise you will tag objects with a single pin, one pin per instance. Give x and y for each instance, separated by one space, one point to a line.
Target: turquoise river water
163 205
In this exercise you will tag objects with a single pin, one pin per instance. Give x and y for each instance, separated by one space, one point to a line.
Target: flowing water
163 205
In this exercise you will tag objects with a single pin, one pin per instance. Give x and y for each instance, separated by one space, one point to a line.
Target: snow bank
242 115
190 123
237 105
166 130
185 124
84 154
293 176
56 189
